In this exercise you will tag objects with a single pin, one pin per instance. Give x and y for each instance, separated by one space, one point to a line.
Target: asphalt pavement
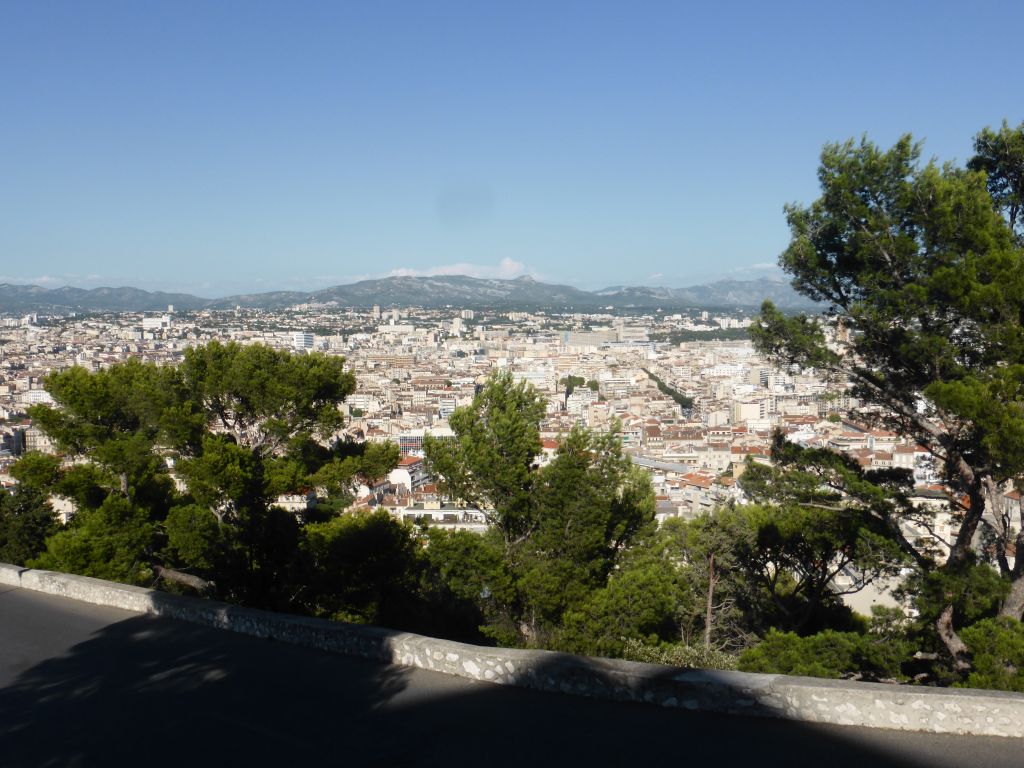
82 685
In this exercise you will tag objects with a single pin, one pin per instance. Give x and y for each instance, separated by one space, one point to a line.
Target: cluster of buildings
414 367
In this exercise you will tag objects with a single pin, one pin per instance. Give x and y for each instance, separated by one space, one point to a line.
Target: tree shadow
516 726
155 691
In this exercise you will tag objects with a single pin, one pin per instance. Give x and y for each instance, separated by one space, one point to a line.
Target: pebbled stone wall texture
960 711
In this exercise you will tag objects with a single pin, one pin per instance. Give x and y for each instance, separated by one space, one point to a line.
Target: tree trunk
959 555
188 579
1013 605
709 615
999 514
960 550
956 647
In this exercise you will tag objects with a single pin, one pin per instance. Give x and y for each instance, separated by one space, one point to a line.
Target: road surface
82 685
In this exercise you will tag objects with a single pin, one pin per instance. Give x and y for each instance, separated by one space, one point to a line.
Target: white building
581 397
411 474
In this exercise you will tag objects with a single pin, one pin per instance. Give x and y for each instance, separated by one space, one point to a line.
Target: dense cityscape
691 413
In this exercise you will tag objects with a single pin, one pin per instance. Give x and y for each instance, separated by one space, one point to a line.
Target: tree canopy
491 461
558 531
240 425
921 283
1000 154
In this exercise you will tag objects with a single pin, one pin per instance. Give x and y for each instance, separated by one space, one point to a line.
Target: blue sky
244 146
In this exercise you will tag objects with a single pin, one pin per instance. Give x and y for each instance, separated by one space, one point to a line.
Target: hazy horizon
775 276
242 148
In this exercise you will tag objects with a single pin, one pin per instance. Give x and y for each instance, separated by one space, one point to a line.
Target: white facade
302 340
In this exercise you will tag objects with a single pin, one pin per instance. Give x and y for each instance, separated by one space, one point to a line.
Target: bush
640 601
677 655
826 654
361 567
26 520
998 648
109 542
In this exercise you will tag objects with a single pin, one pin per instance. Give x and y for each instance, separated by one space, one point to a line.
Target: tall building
301 340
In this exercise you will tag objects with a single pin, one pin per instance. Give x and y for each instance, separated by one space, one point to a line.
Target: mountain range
431 292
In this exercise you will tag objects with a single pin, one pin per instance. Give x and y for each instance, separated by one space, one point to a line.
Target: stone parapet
874 705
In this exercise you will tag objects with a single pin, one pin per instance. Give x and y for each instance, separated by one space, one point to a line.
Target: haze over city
242 147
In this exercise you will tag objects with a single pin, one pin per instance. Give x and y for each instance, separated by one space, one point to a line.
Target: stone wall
875 705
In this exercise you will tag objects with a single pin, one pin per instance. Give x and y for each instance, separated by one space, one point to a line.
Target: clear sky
218 147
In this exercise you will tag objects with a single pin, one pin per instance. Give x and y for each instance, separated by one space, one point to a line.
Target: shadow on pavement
149 691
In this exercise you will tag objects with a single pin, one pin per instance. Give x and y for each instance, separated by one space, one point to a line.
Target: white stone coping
873 705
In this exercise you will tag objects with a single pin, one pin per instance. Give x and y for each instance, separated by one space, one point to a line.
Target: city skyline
250 148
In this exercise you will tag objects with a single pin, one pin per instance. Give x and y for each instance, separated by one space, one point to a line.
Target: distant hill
458 290
433 292
18 299
719 294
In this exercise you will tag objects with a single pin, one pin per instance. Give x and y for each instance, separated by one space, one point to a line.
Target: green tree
264 544
361 567
240 424
26 520
195 538
972 591
826 654
677 655
490 462
115 418
590 504
38 471
86 485
571 383
273 413
113 541
349 463
263 397
641 601
558 531
470 582
1000 154
722 611
224 476
684 401
819 515
921 284
997 648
